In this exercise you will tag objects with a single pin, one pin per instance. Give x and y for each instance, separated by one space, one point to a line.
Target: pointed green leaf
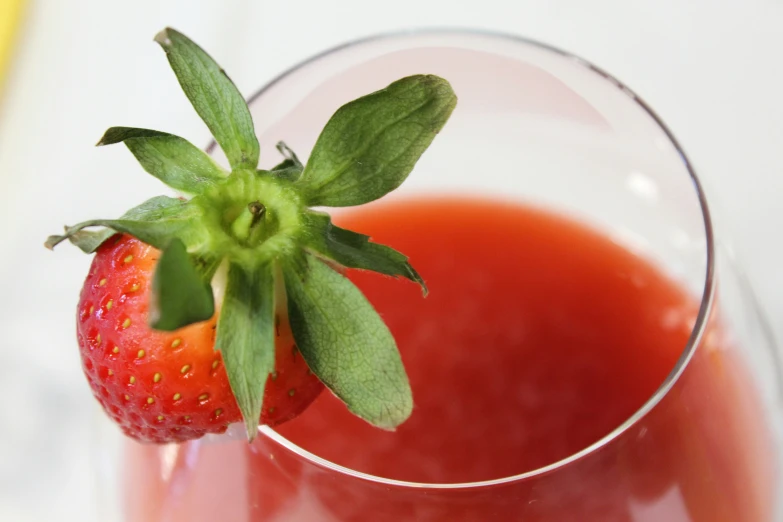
347 345
155 222
291 159
214 96
206 265
290 168
371 144
354 250
87 240
173 160
286 171
180 296
246 338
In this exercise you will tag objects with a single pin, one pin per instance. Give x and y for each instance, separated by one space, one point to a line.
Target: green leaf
214 96
371 144
354 250
155 222
286 171
180 295
347 345
246 337
206 265
173 160
87 240
291 159
290 168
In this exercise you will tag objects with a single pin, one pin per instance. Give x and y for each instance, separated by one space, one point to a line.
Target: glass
535 125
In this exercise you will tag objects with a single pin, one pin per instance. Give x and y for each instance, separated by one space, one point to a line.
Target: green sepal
214 96
246 337
291 159
371 144
173 160
290 168
88 241
347 345
257 223
354 250
180 294
155 222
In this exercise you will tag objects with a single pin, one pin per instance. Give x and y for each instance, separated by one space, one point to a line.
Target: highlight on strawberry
231 305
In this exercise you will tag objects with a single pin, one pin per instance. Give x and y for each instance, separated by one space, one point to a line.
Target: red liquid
538 338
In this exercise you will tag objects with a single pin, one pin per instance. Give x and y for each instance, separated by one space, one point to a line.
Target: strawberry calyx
251 217
276 254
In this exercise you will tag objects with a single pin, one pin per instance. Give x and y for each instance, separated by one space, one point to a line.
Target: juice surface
539 337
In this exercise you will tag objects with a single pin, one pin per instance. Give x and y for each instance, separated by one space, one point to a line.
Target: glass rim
705 306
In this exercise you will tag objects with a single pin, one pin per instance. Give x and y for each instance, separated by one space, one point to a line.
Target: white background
712 69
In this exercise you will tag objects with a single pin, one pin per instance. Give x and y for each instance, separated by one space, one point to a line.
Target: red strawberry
170 363
161 386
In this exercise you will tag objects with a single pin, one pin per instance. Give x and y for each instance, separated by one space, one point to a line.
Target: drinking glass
540 126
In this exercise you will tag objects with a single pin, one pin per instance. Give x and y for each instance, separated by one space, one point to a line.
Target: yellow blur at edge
10 16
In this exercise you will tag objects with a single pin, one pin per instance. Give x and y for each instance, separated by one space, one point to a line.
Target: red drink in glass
597 356
539 338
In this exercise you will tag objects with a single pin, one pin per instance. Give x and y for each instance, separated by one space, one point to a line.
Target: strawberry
170 359
168 386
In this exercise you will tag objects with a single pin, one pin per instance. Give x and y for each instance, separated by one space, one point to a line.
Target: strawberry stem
240 227
247 221
256 233
258 210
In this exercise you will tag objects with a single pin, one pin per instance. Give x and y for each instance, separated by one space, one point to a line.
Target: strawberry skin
168 387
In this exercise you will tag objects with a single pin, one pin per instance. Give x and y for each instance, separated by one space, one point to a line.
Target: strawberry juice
539 337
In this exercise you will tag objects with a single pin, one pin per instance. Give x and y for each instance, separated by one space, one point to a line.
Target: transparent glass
543 127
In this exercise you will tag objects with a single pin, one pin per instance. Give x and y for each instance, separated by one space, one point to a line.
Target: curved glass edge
705 306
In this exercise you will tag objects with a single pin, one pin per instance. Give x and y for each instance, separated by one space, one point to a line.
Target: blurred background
69 70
